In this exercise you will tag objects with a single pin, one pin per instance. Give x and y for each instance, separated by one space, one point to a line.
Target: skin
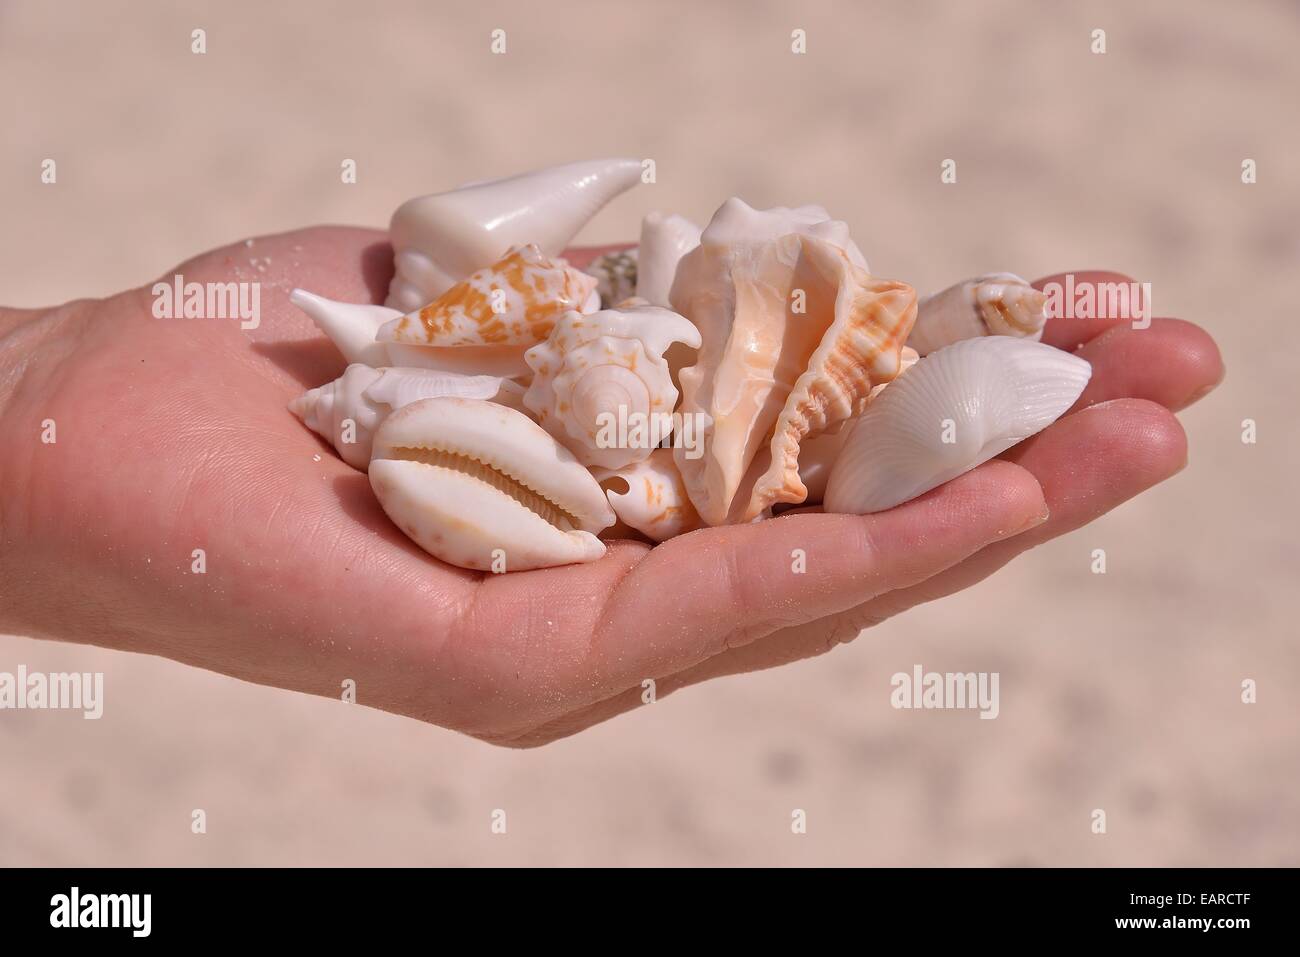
174 435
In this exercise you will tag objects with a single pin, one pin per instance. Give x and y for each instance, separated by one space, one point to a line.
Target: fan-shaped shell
957 408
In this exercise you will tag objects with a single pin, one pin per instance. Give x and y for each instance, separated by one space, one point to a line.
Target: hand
173 435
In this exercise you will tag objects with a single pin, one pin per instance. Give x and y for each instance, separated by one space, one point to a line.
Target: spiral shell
650 496
349 410
601 384
513 302
795 336
999 304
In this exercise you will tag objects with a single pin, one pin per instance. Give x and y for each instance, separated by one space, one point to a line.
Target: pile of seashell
512 410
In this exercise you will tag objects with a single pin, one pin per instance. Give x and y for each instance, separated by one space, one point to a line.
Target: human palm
172 435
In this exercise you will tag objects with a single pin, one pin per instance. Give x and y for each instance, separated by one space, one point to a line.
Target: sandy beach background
1118 691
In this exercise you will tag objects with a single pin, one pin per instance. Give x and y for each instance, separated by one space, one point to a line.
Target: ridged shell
513 302
365 397
482 486
441 239
957 408
795 337
817 454
650 497
999 304
601 385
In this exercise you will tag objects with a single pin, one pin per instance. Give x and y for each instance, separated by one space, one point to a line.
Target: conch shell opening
795 336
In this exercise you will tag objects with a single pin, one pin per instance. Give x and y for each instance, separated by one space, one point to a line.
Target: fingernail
1035 521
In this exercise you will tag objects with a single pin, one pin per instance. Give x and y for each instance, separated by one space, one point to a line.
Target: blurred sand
1118 691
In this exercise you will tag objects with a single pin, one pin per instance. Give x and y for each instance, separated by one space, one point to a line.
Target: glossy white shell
348 410
665 239
439 240
955 409
482 486
353 328
649 496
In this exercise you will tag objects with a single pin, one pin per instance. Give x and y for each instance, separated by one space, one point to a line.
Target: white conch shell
365 397
654 501
665 239
615 276
601 385
353 327
957 408
999 304
482 486
795 337
438 240
513 302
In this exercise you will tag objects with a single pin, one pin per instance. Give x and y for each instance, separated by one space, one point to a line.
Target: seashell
365 397
665 239
353 327
615 276
513 302
736 222
776 366
601 385
482 486
999 304
650 496
957 408
349 326
504 361
817 455
440 239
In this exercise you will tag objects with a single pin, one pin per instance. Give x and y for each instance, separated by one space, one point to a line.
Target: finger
699 594
1087 464
1064 329
1172 362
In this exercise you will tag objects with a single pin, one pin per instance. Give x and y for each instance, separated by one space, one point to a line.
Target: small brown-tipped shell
482 486
999 304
